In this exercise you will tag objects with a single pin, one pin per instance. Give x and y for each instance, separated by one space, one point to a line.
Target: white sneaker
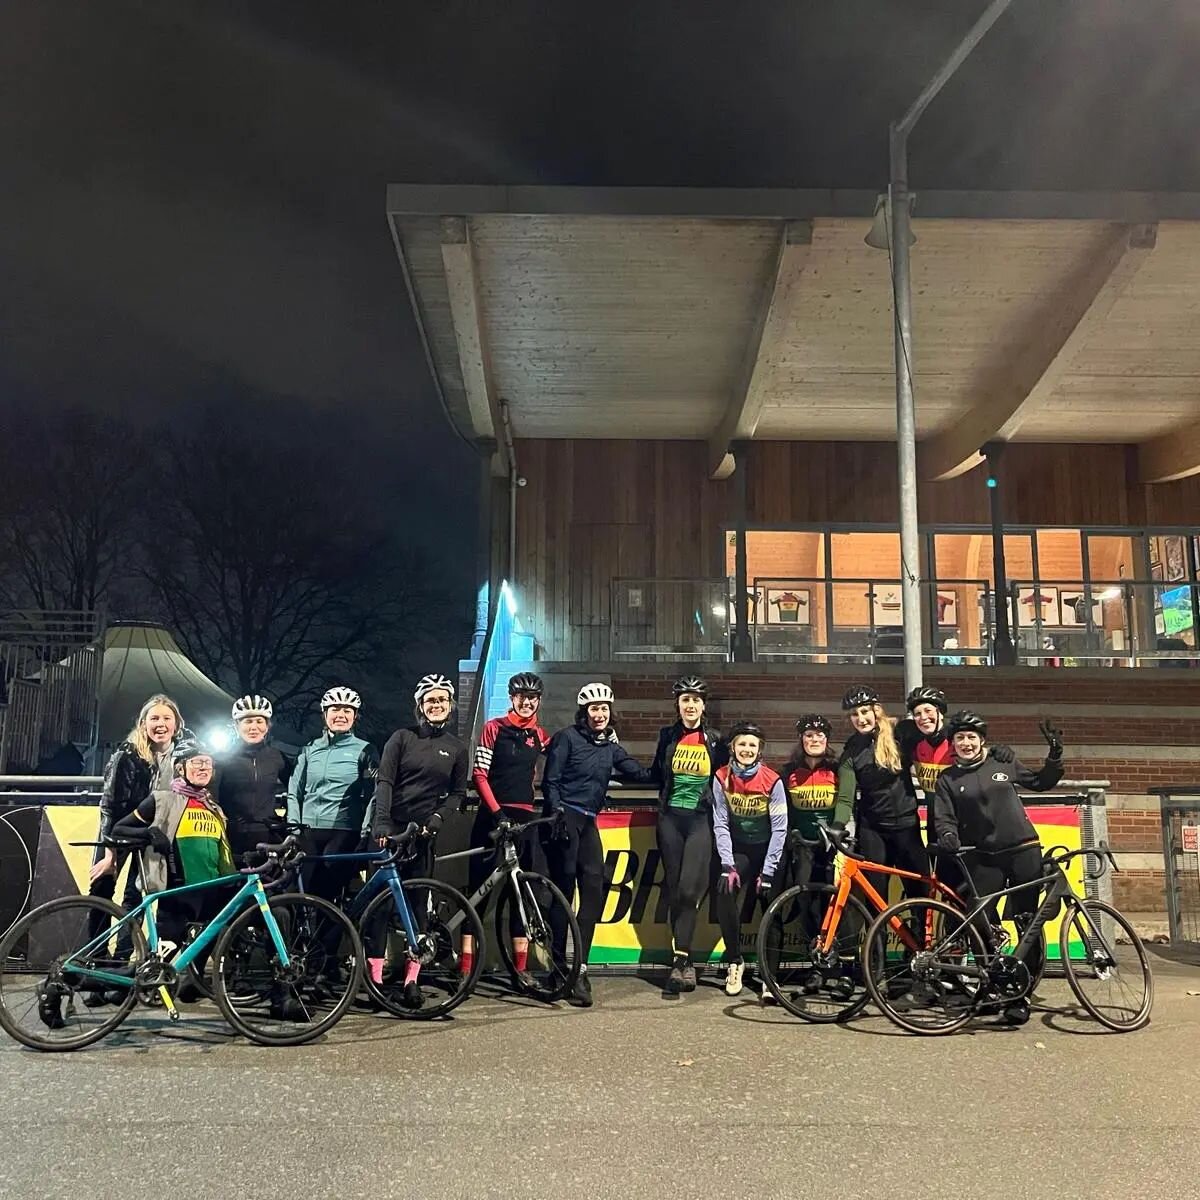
733 980
766 996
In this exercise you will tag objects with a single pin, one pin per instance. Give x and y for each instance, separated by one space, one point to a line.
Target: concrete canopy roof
725 314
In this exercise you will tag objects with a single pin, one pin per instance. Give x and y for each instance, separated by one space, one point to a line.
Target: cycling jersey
749 810
886 797
506 761
684 762
812 796
249 779
423 771
333 782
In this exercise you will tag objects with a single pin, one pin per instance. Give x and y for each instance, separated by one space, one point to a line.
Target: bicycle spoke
1106 966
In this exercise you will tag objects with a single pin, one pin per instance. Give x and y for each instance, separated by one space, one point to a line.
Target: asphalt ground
700 1095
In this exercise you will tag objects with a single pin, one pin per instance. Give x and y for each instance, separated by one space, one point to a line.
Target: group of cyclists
197 815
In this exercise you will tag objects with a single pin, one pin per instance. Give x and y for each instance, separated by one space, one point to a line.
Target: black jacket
128 780
660 768
886 799
423 771
249 779
980 806
579 765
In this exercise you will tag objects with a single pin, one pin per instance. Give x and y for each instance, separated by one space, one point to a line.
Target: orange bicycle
810 938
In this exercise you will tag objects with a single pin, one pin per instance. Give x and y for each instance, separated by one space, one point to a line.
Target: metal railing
670 618
1181 859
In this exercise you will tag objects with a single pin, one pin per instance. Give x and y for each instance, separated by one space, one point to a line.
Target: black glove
949 841
504 825
766 887
433 824
1003 754
158 840
1053 738
556 831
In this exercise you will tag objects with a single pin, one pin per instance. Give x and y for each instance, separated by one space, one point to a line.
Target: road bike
285 967
961 969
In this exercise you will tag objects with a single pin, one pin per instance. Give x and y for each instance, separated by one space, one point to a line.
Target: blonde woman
139 764
887 827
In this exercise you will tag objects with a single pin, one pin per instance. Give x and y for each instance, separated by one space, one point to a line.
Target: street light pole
899 224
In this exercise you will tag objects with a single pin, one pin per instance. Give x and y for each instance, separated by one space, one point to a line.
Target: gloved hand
558 832
158 840
1003 754
504 825
433 825
949 841
766 887
730 881
1053 737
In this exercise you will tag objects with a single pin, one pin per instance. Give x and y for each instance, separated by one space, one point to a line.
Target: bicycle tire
1081 916
563 968
439 948
932 983
22 979
314 991
800 1001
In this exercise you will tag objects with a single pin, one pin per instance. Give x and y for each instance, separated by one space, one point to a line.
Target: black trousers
748 860
685 845
576 860
901 848
328 879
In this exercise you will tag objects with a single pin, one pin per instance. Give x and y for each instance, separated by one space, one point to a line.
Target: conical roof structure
141 659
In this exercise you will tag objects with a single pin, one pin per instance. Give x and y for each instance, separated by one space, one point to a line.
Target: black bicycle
961 969
532 910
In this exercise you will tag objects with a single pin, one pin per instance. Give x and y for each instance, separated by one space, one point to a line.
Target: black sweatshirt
886 799
423 771
249 778
979 804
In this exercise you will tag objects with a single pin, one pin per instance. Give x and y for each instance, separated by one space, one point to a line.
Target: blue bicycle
286 967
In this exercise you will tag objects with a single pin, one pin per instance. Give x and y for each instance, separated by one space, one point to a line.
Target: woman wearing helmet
183 829
750 819
580 761
977 804
250 776
886 822
423 772
688 753
330 792
810 779
506 760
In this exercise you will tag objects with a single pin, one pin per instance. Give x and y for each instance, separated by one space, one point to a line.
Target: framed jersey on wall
787 606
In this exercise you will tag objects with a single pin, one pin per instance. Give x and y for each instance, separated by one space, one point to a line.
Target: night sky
193 193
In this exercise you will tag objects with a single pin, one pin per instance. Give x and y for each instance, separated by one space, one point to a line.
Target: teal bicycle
285 967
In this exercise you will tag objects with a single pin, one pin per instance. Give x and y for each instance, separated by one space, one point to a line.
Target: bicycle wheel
812 984
1112 980
554 971
277 1005
932 989
426 980
48 1000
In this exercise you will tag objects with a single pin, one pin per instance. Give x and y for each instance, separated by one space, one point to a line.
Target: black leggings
748 860
328 879
685 844
576 860
994 872
901 848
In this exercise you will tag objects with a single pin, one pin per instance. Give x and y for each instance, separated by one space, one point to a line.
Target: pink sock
375 966
411 971
521 958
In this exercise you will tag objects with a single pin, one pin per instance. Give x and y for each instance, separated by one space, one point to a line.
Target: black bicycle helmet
690 684
814 721
188 746
526 682
745 727
927 695
859 695
965 719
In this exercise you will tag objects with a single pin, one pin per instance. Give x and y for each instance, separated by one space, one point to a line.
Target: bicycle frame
251 889
509 869
854 872
387 874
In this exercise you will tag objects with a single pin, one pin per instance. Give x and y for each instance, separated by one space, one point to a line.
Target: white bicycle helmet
252 706
341 697
595 693
432 683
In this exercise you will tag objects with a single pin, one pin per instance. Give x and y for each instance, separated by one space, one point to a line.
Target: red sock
521 958
466 961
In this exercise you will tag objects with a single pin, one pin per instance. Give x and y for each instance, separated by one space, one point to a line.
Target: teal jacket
333 784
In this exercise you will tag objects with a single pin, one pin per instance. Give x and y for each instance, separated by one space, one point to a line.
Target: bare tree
273 578
72 486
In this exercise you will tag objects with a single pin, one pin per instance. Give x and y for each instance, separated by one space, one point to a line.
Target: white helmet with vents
341 697
595 693
433 683
252 706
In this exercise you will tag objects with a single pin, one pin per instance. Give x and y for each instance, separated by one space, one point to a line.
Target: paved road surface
699 1096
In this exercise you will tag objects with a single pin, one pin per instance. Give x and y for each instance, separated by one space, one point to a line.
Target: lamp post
898 211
